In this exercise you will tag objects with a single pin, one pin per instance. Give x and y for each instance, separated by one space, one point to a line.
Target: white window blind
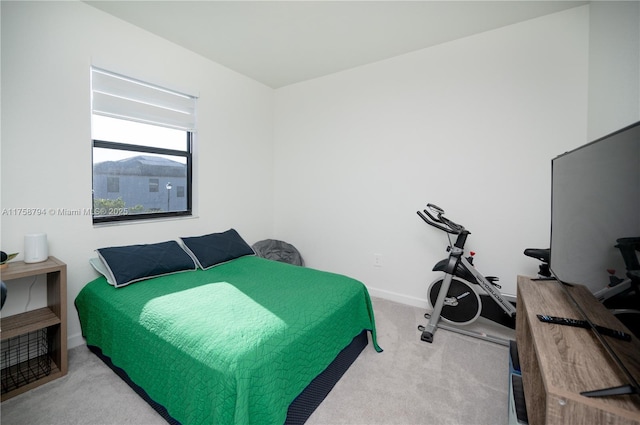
117 96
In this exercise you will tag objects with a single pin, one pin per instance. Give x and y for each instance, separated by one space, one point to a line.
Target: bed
245 341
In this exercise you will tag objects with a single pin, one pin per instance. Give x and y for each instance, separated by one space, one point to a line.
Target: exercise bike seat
539 254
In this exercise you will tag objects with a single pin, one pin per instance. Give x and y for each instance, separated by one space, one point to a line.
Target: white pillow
102 269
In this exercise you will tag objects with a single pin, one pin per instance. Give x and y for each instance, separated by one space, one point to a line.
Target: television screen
595 200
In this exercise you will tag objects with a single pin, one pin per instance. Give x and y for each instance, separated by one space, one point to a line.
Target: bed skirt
302 406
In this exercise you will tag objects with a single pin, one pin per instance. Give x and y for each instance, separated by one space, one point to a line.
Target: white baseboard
399 298
75 341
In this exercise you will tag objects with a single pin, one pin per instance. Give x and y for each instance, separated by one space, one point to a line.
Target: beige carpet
456 380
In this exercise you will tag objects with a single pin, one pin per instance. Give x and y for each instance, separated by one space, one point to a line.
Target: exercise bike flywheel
462 304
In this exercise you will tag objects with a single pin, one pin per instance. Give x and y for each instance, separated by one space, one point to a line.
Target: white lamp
36 248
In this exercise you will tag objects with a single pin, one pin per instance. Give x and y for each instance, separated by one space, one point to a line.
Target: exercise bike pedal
493 280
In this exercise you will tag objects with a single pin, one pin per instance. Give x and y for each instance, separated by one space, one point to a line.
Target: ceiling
284 42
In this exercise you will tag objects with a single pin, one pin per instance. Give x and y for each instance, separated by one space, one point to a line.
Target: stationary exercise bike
616 285
621 295
463 293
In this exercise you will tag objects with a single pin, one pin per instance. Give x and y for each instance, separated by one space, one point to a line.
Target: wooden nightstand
34 343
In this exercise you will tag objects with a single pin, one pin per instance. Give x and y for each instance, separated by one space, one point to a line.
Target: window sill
145 221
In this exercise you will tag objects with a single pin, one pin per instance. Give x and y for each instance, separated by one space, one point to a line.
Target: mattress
237 343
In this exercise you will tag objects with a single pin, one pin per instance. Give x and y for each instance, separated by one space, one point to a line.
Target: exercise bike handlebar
439 221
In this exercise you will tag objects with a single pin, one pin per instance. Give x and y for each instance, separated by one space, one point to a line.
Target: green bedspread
234 344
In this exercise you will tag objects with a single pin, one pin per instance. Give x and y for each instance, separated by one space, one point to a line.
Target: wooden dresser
559 362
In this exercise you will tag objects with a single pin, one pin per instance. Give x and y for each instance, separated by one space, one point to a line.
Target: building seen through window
149 183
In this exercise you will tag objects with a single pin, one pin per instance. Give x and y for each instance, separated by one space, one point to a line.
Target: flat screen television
595 200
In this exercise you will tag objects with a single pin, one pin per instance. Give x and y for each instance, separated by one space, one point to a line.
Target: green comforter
234 344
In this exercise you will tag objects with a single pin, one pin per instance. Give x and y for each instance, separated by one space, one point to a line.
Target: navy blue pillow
128 264
217 248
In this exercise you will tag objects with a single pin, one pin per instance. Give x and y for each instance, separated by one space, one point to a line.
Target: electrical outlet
377 260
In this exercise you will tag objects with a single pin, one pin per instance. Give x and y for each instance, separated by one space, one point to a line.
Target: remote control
563 321
613 333
584 324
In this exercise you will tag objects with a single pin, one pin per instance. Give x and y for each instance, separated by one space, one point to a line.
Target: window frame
187 153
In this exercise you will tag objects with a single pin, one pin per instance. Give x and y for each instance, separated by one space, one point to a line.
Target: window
142 139
154 184
113 184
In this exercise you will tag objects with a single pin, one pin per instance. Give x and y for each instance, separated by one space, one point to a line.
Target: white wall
47 48
356 153
470 125
614 66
